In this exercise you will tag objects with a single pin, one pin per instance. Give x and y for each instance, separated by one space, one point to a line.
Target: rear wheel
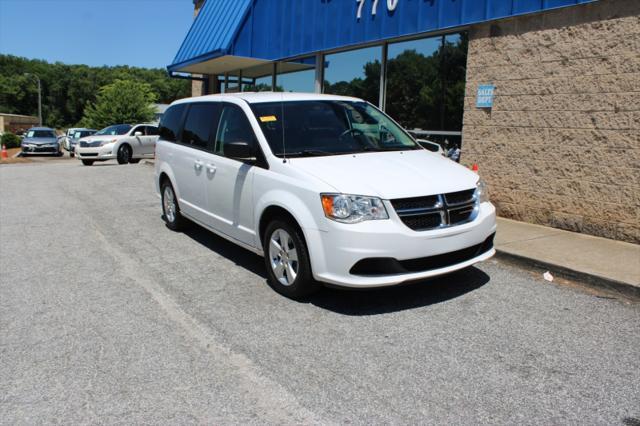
124 154
170 209
287 261
87 162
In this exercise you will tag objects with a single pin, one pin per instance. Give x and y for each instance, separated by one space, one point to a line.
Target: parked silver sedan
40 140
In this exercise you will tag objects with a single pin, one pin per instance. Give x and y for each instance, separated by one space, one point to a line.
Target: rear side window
201 121
171 122
234 127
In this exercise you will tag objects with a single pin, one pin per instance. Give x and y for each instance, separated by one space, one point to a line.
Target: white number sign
391 6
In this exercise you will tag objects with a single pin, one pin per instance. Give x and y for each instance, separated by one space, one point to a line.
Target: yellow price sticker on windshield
268 118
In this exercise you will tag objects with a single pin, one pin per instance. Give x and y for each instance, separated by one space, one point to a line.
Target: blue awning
229 35
212 32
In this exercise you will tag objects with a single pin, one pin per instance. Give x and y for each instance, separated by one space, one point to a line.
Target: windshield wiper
309 153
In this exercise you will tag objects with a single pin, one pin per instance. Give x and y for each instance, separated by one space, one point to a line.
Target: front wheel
287 261
87 162
124 154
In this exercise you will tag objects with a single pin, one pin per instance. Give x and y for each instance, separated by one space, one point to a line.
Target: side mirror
239 150
431 146
138 134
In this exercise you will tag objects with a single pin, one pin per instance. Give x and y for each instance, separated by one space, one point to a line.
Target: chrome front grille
437 211
84 144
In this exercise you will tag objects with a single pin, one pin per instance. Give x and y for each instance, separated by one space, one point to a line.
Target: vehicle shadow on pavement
354 302
236 254
399 298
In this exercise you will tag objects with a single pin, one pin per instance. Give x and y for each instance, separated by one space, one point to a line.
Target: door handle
211 169
197 165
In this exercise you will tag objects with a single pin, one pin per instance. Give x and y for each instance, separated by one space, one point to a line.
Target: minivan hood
389 175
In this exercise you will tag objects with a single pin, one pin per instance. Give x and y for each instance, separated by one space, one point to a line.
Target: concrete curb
592 280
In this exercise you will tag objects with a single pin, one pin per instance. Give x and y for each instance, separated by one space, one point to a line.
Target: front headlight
482 192
103 143
352 208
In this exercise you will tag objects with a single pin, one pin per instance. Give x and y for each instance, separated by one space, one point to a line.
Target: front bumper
393 254
40 149
100 153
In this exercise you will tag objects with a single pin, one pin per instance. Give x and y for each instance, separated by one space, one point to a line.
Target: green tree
124 101
67 89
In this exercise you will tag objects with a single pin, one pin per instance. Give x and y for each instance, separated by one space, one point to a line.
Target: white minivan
328 189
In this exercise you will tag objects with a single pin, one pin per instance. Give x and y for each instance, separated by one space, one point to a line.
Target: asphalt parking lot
109 317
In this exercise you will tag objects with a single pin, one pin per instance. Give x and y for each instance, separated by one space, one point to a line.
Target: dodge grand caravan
327 188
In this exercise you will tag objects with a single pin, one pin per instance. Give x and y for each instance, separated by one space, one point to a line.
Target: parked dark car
40 140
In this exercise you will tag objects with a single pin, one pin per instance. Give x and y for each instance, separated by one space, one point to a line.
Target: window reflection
413 83
425 85
354 73
297 76
258 78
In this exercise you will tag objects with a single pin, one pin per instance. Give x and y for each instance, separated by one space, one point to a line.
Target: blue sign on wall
485 96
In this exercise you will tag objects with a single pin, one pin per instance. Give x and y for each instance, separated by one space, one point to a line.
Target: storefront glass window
354 73
262 84
297 76
425 85
258 78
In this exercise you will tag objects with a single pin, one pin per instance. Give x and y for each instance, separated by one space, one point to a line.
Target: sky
142 33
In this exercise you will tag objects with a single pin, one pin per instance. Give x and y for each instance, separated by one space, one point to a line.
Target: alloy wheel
283 257
169 204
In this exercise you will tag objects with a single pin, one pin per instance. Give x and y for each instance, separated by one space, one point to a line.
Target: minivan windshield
82 133
328 127
38 134
118 129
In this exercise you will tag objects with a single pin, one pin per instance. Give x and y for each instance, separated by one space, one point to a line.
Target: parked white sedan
122 142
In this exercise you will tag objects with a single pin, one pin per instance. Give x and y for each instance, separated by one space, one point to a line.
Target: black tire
71 154
87 162
124 154
303 285
134 161
175 221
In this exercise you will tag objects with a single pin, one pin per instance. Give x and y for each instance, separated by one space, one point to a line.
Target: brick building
558 138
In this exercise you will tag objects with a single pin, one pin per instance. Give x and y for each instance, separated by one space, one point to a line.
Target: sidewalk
608 264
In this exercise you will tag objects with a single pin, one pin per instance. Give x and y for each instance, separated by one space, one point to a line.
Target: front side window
234 127
201 119
171 122
318 128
